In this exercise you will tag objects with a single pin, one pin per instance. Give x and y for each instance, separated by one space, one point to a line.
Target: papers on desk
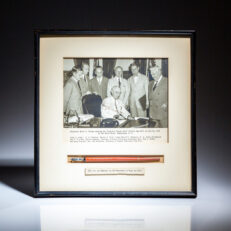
121 121
137 122
81 118
72 119
85 117
144 118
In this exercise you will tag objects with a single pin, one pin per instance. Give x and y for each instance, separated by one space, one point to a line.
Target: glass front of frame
115 115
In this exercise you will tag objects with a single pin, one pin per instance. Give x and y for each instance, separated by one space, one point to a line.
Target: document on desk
121 122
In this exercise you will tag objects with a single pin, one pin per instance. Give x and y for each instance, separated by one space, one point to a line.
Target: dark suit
100 89
157 98
84 85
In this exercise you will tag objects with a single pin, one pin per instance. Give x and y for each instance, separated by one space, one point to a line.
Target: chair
92 104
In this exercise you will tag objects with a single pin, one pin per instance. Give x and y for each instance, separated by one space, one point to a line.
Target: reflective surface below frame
20 211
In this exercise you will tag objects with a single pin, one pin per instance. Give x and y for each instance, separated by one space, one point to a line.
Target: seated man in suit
138 85
113 107
98 85
72 95
122 83
158 97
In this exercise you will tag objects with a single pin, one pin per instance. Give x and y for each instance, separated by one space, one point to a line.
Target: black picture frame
160 194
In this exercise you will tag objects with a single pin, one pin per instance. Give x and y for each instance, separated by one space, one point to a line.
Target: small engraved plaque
114 171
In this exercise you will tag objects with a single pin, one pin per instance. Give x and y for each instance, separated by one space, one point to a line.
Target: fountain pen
114 159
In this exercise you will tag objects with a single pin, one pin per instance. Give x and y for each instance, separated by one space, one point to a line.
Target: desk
140 123
95 123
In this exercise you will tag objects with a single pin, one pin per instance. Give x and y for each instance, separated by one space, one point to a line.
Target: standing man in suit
72 95
84 81
138 99
98 85
120 82
158 97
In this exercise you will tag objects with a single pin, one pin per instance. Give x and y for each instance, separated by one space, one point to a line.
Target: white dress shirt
74 79
99 79
112 107
124 87
136 78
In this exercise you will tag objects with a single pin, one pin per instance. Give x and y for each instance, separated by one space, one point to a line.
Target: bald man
113 107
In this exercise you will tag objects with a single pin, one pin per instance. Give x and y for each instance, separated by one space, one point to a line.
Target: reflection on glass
113 217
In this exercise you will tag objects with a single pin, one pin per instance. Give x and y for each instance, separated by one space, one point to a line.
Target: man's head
118 71
99 71
134 68
155 72
85 68
115 92
77 72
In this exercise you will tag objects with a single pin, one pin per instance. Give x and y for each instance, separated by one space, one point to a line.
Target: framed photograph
115 113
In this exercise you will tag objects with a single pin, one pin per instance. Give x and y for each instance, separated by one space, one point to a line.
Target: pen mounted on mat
115 158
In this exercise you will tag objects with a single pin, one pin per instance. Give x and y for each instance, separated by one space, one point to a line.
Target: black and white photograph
115 92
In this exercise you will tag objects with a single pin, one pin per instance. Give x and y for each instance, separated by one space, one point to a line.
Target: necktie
116 107
154 86
119 82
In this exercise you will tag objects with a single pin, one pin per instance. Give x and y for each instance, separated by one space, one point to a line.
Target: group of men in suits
121 98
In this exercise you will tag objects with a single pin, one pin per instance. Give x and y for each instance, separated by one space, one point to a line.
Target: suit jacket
84 85
72 97
111 107
124 87
100 89
157 98
138 90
